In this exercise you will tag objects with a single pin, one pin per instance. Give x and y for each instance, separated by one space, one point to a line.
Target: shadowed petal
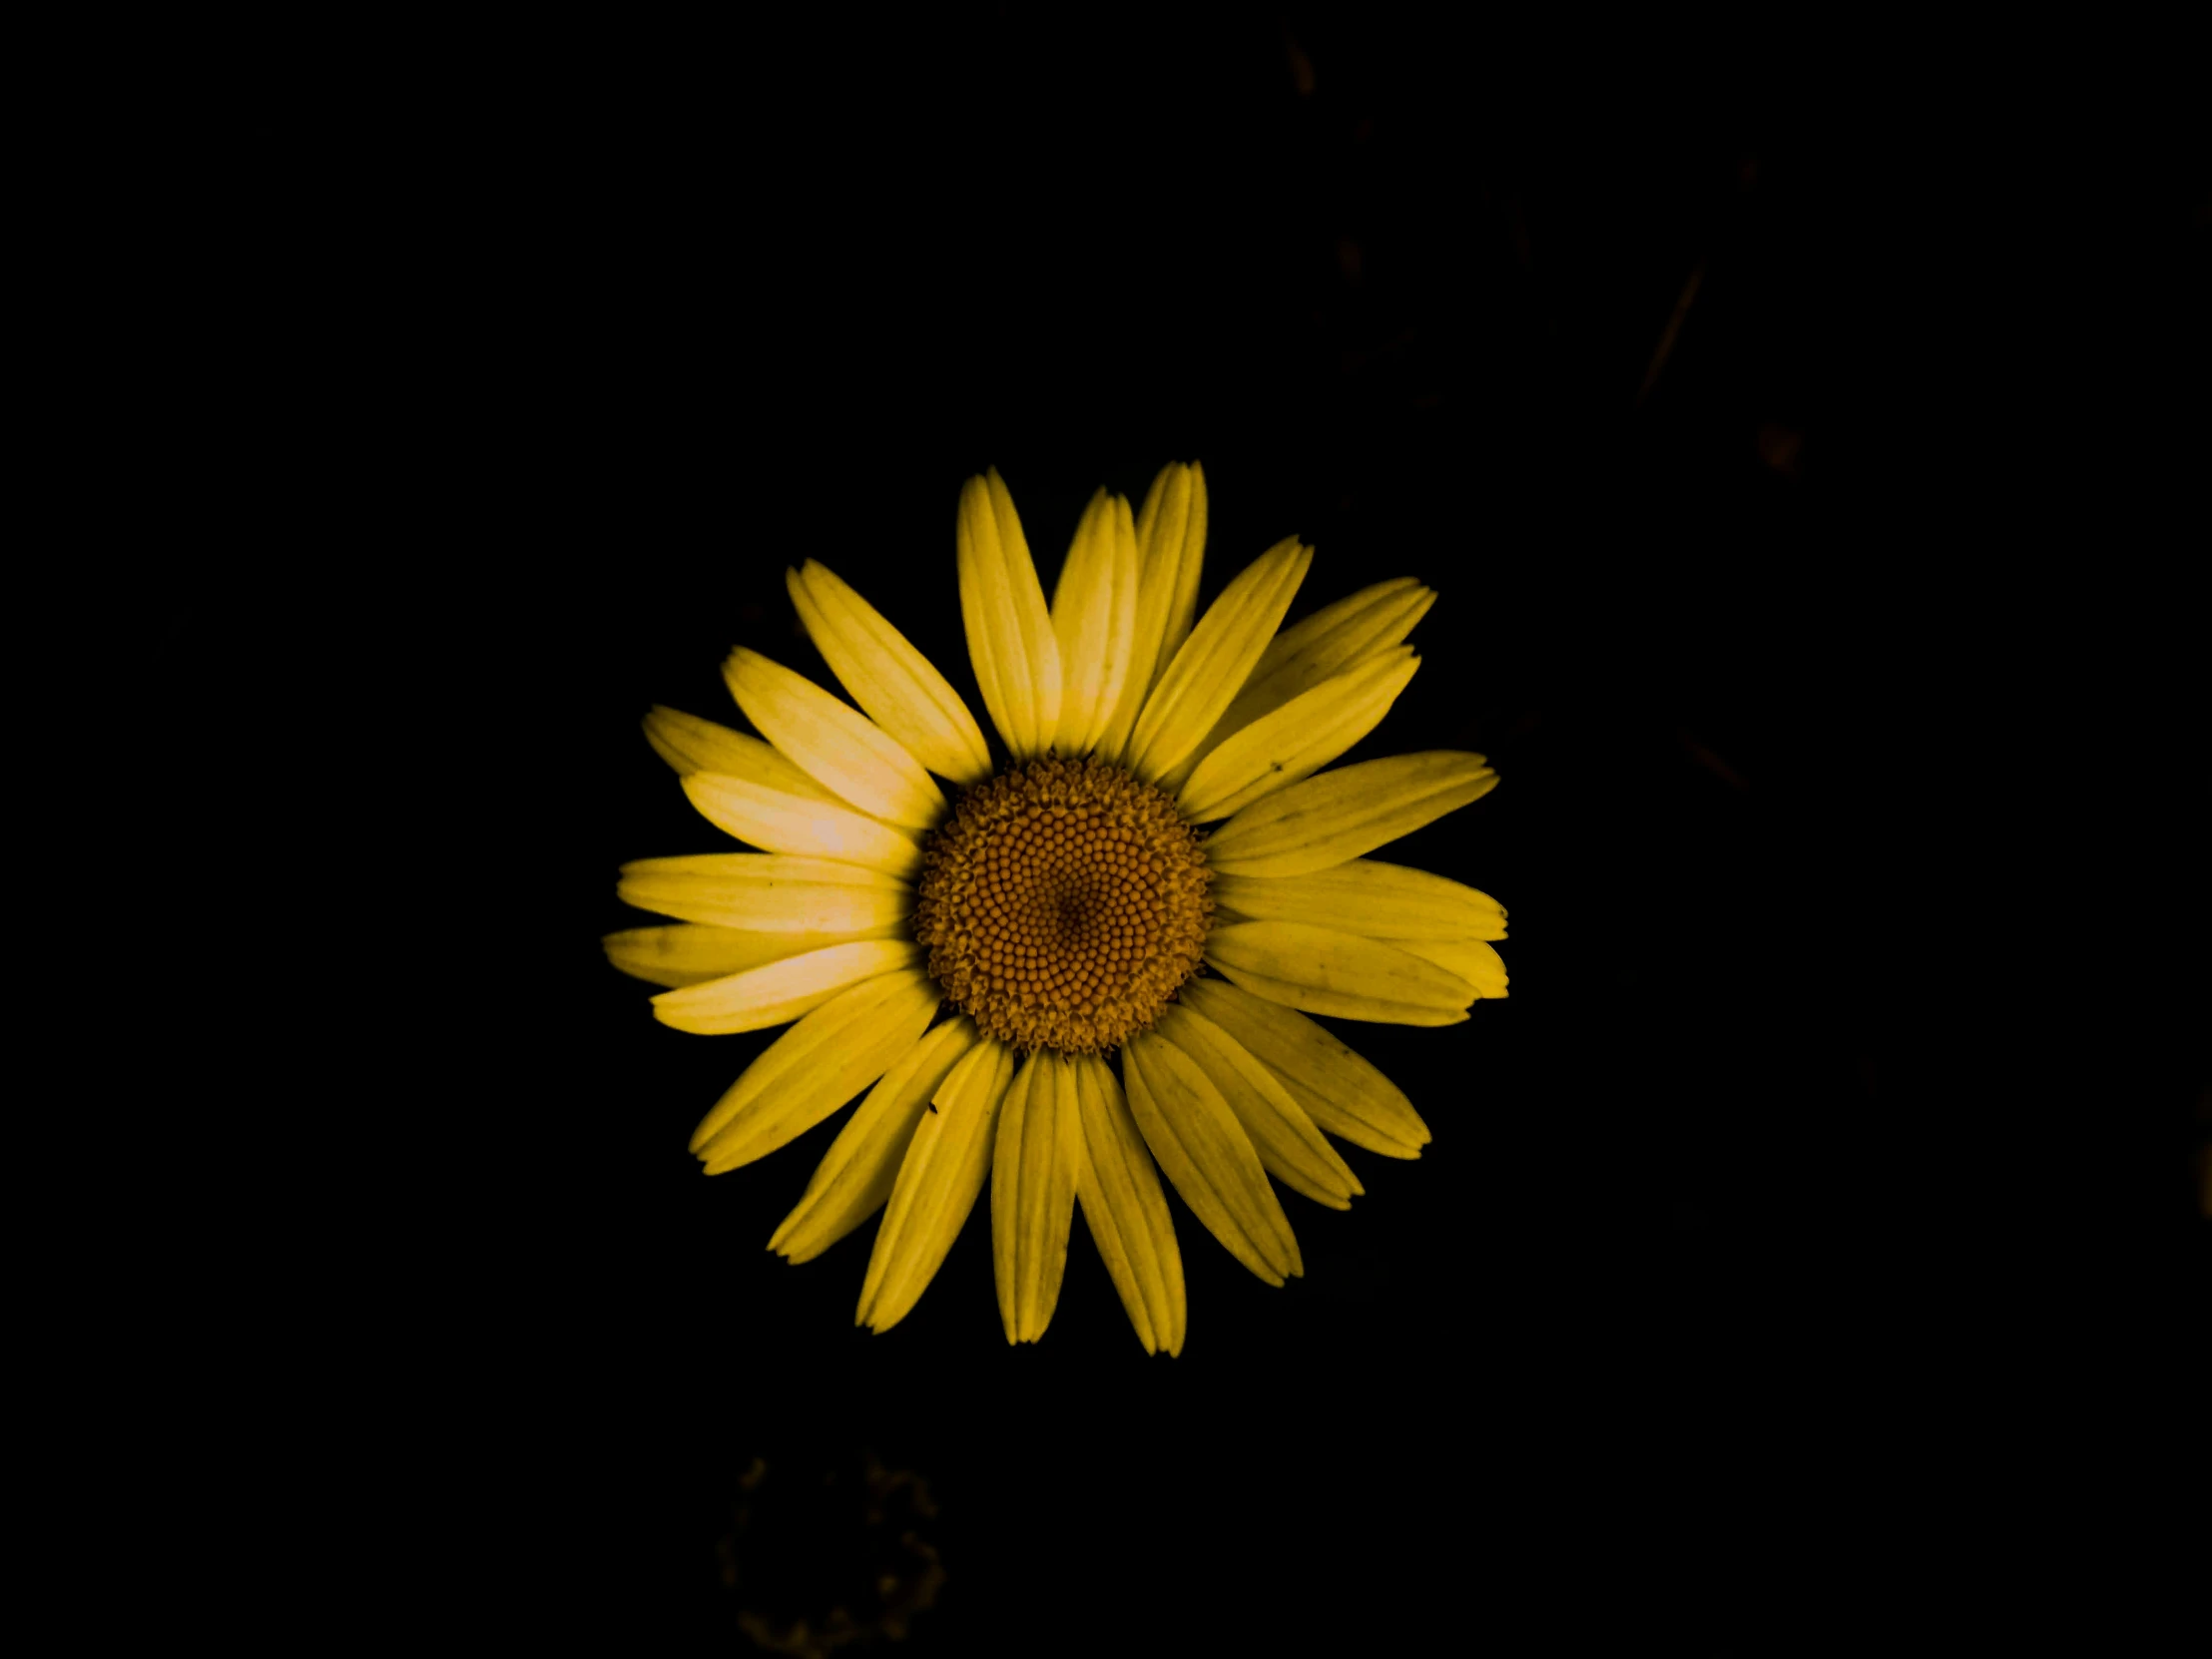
816 1067
937 1184
1292 1149
1094 614
1338 816
1009 631
1327 973
1126 1211
1208 1156
1034 1179
1343 1093
856 1175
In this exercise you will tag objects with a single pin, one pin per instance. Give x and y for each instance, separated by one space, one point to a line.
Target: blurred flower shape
1061 907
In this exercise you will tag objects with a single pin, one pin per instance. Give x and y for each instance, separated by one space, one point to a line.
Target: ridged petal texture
1126 1211
1366 895
898 688
1338 816
1334 638
691 745
1206 1155
1290 1148
1215 659
1009 631
817 1066
1327 973
857 1174
837 746
1094 616
767 893
776 993
1171 551
943 1171
1033 1180
1298 739
685 954
1343 1093
778 823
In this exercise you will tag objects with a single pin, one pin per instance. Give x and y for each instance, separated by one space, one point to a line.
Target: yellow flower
1060 907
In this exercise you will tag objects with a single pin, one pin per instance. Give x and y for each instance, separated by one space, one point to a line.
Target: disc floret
1064 903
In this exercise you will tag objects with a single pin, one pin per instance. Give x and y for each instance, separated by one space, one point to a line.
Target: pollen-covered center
1062 904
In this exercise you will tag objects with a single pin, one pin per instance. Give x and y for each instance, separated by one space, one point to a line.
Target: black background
1763 1217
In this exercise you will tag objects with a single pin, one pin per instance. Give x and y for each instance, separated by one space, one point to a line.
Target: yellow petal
899 687
767 893
1126 1211
690 744
1214 659
686 955
938 1183
1298 739
776 993
1336 817
1290 1148
856 1175
837 746
1171 551
1206 1153
816 1067
1327 973
1094 614
1343 1093
1034 1176
1477 963
1384 901
1333 639
1009 631
780 823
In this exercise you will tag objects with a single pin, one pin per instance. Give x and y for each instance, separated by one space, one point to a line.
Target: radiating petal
687 954
1009 631
766 892
1327 973
1298 739
1214 659
1206 1153
776 993
1290 1148
780 823
1477 963
816 1067
898 688
836 745
1094 614
856 1175
1126 1211
1171 551
1384 901
690 744
1343 1093
1333 639
1336 817
1034 1179
939 1179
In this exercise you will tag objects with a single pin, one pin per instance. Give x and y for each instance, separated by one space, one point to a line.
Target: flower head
1063 909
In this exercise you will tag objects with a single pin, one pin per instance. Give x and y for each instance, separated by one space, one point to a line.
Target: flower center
1062 904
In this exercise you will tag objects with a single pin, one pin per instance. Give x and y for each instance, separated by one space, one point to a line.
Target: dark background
1841 1117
